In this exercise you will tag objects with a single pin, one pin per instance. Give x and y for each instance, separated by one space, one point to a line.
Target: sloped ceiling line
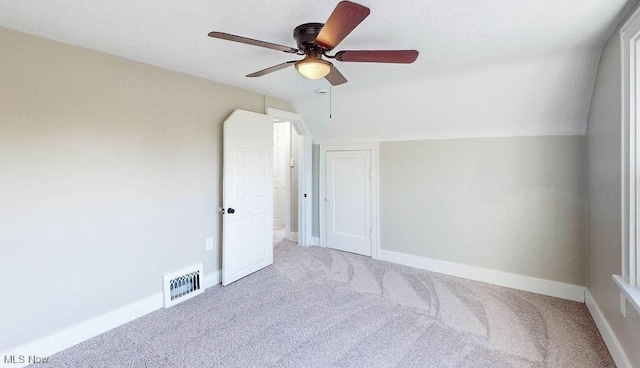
486 68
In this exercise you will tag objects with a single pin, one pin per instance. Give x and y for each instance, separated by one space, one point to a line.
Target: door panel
247 181
348 201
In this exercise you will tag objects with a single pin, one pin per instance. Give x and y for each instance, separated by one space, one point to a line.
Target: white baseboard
65 339
212 279
52 344
510 280
315 241
610 339
293 236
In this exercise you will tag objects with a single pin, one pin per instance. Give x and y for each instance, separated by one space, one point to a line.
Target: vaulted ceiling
486 67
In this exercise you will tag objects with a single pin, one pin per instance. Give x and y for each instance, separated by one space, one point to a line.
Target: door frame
305 141
372 147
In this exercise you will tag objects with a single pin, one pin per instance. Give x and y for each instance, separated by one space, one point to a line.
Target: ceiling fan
315 40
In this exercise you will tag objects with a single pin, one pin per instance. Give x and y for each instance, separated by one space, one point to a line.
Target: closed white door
280 165
348 201
247 237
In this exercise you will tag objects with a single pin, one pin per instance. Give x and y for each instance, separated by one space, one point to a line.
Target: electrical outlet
623 305
209 244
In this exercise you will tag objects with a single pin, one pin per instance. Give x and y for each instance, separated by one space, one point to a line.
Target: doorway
281 153
300 174
286 180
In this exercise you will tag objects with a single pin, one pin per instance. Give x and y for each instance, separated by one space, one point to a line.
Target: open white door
247 230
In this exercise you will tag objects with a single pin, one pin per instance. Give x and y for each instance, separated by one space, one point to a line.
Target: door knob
231 211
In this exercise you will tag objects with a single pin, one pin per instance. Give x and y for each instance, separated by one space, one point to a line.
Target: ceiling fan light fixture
313 67
314 40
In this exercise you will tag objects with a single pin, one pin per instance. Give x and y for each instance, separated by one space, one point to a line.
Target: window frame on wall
629 280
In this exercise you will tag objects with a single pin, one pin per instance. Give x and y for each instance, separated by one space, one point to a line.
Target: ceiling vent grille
183 285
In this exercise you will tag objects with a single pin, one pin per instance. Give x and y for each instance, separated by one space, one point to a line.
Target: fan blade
345 17
335 77
378 56
250 41
272 69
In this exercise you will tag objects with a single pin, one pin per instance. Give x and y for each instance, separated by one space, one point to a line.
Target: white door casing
280 169
348 201
247 237
326 149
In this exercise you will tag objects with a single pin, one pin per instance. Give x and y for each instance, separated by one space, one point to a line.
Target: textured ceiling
454 37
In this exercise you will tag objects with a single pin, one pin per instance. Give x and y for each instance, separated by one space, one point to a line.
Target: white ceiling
486 67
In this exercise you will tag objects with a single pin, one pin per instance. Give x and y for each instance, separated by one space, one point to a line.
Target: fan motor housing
306 34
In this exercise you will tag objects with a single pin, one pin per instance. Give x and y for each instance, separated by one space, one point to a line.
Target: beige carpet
322 308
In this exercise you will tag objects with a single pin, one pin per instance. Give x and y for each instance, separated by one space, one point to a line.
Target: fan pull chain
330 102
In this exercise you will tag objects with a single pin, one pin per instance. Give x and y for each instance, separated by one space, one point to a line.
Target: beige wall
508 204
110 175
604 239
278 103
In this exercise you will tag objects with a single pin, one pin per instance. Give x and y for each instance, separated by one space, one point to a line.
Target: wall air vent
183 285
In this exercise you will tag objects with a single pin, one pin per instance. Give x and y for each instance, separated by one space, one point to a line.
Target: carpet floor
319 307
